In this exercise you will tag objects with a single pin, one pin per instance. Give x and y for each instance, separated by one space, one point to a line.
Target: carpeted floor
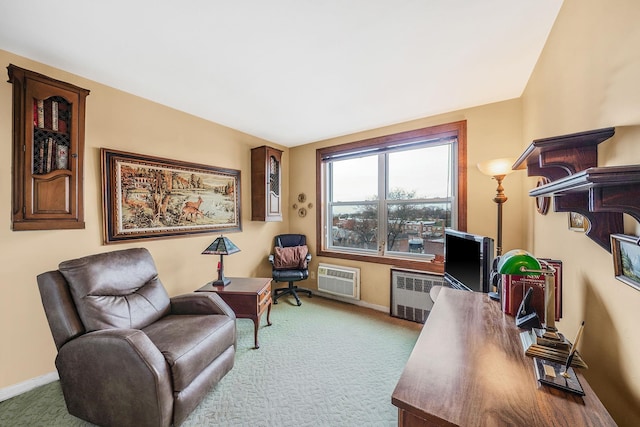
325 363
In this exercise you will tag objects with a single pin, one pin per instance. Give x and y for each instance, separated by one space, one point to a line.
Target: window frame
449 130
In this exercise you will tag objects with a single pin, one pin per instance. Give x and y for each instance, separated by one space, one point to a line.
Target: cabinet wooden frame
47 187
146 197
266 184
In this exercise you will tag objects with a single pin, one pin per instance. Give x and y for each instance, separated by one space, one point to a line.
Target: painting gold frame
146 197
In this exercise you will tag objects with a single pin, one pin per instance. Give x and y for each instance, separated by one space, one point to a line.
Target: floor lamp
498 169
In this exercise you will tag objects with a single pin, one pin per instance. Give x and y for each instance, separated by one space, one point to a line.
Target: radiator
339 280
410 298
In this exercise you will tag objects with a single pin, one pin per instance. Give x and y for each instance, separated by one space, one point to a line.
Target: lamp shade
519 262
497 167
221 246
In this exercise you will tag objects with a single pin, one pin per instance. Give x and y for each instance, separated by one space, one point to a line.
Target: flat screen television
468 260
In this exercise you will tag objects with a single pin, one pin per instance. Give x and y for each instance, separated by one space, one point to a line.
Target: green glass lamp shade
519 262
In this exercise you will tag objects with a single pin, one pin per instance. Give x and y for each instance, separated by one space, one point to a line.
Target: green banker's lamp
546 343
521 263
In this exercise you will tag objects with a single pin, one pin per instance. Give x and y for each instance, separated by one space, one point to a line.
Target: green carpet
324 363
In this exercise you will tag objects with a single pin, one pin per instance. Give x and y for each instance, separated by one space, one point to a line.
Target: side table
248 297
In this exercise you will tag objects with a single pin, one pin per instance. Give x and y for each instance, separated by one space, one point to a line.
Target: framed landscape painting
626 259
148 197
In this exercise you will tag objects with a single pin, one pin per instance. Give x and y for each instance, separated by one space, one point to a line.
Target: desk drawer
264 298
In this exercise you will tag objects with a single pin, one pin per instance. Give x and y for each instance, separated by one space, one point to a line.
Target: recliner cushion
117 289
190 343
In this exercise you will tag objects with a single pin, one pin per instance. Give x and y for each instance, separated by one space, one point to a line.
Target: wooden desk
468 369
248 297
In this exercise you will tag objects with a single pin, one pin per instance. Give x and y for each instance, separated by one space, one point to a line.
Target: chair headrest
288 240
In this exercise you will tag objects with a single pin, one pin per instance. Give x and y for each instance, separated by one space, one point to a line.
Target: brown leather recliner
128 355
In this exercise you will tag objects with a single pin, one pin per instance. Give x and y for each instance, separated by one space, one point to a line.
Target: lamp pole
500 198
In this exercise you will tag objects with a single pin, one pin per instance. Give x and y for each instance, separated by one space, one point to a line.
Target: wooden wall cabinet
266 184
48 152
601 194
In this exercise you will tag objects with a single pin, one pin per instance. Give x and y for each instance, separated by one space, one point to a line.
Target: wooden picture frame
577 222
147 197
626 259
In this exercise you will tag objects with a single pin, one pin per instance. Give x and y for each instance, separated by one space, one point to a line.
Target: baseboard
352 301
23 387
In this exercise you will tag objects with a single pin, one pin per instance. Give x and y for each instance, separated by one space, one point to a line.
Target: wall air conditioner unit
338 280
410 297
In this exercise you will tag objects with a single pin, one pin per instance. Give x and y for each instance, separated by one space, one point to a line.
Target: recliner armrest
116 365
200 303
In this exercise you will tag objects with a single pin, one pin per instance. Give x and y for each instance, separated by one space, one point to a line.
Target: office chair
290 263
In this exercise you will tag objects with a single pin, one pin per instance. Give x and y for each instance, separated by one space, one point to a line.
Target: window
389 199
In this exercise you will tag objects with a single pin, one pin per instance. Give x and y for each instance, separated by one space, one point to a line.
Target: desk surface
468 368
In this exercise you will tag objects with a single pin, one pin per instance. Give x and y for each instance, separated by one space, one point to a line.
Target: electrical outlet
312 274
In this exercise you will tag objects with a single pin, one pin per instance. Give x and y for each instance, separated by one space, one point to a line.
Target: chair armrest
200 303
112 366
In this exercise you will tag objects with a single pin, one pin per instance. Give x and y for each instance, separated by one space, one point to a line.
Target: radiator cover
410 298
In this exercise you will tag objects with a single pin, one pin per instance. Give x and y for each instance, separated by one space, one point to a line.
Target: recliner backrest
117 289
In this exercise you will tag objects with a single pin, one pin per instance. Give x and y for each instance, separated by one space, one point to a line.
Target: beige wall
588 78
120 121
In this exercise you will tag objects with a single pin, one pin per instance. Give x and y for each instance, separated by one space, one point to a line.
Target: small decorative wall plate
302 197
302 212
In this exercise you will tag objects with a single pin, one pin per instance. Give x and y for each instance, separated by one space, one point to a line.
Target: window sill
428 266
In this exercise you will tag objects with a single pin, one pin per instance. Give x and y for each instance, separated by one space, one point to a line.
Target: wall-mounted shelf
601 194
560 156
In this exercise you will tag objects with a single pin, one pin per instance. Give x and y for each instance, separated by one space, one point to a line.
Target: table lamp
546 342
522 263
221 246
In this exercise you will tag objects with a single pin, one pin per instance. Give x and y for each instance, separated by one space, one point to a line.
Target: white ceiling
291 71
